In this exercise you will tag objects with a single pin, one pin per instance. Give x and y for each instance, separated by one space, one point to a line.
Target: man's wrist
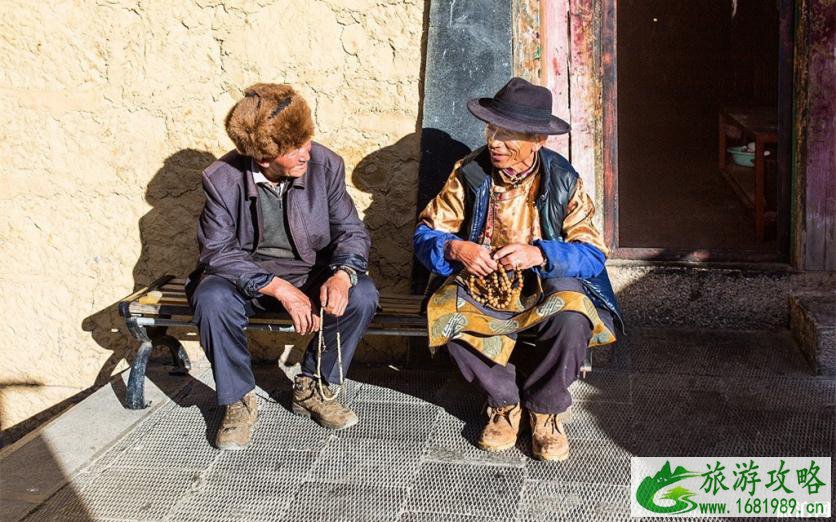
545 260
449 250
272 288
347 273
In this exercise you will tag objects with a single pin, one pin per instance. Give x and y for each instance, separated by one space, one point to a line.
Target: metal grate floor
413 455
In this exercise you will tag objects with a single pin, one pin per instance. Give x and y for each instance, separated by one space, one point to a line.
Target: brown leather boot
307 402
236 431
503 426
548 436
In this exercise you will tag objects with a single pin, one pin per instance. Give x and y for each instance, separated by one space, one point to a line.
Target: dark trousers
538 376
222 312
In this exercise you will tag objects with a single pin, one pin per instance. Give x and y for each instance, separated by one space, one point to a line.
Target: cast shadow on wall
388 176
168 246
439 153
401 178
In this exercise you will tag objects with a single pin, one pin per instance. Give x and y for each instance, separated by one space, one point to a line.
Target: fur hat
270 120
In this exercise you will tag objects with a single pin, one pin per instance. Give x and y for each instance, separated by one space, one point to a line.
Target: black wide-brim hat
520 106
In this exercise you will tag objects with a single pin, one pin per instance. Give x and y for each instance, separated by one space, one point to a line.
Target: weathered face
292 164
509 149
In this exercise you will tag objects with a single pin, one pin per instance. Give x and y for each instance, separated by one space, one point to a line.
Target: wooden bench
150 311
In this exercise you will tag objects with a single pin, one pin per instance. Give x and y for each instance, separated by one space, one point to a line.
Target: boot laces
306 385
235 411
502 412
552 422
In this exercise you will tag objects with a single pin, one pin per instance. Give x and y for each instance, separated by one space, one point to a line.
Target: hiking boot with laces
548 436
308 402
503 426
236 431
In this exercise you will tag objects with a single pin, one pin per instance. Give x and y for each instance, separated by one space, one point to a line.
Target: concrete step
813 323
748 297
722 353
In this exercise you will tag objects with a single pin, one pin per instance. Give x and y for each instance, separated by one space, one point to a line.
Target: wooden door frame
609 78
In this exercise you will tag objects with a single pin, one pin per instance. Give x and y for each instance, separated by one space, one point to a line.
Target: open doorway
700 86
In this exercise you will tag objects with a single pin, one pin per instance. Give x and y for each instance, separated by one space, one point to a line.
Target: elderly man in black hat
511 236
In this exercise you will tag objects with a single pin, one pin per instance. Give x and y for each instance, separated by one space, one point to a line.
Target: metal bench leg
135 396
149 337
179 357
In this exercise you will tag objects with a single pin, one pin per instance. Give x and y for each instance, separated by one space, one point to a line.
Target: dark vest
557 185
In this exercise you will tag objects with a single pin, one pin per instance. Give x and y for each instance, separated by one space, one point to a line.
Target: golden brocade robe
512 215
512 218
446 212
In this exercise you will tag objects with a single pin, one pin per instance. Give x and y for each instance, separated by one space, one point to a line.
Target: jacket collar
483 167
545 173
300 181
249 181
252 187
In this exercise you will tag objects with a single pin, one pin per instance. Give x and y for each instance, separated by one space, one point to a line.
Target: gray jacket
323 222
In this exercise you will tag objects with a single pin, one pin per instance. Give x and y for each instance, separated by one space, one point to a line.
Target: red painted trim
554 68
819 140
584 80
609 42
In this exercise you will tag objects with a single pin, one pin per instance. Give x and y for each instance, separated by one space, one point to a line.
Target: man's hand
333 295
297 304
517 255
475 258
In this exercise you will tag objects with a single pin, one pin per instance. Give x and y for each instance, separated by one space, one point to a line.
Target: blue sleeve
428 244
570 259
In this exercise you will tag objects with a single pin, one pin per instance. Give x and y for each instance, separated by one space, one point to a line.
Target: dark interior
679 63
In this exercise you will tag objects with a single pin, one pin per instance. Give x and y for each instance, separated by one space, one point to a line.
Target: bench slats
136 308
167 297
164 300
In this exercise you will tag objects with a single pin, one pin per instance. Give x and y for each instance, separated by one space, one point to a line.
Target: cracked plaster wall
110 109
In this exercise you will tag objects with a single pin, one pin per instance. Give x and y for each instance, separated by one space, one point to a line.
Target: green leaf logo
681 497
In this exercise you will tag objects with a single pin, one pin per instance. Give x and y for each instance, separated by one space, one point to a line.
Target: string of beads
497 290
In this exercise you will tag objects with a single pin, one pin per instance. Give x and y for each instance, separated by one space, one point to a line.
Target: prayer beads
498 290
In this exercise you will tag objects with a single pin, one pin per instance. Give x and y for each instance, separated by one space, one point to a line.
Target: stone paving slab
327 501
258 485
413 455
368 461
549 500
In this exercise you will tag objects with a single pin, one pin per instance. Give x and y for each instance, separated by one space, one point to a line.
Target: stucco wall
108 112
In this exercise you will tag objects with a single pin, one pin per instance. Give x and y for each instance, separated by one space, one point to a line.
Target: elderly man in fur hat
512 235
279 232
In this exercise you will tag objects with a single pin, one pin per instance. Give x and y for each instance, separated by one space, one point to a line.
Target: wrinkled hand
333 295
475 258
517 255
297 304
